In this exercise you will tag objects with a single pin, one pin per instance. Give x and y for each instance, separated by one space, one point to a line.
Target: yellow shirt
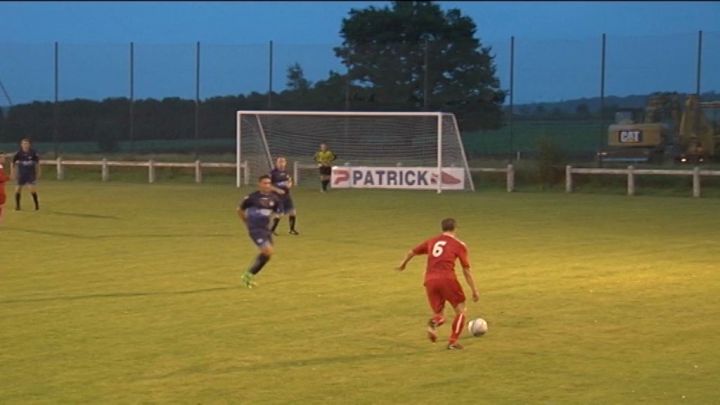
325 158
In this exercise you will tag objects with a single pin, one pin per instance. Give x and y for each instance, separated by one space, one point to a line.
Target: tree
582 111
296 79
556 112
387 52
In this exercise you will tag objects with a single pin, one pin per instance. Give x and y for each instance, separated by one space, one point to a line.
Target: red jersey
3 179
442 251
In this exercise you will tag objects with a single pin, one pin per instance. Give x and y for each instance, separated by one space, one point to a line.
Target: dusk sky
651 45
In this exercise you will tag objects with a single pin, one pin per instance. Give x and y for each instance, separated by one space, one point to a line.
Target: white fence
631 172
509 173
150 164
104 165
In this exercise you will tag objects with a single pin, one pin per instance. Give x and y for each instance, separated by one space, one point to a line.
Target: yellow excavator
667 130
699 133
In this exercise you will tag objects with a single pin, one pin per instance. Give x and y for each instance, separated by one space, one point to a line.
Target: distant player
3 179
282 183
324 159
256 210
441 284
26 170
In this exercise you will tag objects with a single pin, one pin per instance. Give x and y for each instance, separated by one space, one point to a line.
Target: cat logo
630 136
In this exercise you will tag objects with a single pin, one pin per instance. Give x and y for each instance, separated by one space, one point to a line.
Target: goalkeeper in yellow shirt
324 159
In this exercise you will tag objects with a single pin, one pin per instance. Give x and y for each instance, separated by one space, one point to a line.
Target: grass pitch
122 293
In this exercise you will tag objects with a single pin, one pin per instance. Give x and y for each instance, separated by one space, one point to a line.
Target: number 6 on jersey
439 248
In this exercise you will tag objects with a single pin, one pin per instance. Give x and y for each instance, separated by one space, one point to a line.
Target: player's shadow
165 235
323 361
301 363
48 233
120 236
117 295
83 215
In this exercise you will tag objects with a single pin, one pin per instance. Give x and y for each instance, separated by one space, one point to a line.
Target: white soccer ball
477 327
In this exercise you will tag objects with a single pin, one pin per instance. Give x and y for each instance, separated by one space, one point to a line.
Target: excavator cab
636 136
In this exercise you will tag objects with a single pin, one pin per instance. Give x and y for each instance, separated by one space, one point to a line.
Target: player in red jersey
441 284
3 178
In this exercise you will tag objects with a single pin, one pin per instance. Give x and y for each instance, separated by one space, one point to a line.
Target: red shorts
2 198
440 290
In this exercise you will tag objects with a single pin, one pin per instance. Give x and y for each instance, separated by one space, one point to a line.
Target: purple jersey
280 179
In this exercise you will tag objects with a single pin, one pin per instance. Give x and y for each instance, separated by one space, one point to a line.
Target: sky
651 45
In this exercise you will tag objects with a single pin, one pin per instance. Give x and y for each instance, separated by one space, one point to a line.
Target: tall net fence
181 98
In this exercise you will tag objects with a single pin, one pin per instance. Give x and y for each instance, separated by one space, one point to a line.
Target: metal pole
197 96
512 92
426 79
699 63
602 93
270 77
132 96
346 124
347 92
55 104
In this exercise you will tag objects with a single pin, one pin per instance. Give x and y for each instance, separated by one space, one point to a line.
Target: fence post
151 171
510 178
295 179
631 180
105 172
568 179
59 168
198 172
696 182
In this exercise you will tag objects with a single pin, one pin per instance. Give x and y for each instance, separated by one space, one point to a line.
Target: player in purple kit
25 169
255 210
282 182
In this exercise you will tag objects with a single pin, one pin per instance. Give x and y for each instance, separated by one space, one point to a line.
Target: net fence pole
56 96
602 92
270 76
197 96
131 112
699 63
426 76
512 92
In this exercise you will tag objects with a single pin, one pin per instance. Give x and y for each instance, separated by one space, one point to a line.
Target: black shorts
261 237
26 179
325 170
286 204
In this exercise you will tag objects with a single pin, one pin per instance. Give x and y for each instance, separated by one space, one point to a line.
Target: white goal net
374 149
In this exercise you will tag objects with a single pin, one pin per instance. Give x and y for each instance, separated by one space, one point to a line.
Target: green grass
129 293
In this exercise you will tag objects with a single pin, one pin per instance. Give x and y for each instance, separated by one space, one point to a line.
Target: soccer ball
477 327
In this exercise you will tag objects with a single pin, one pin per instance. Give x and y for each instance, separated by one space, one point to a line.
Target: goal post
391 150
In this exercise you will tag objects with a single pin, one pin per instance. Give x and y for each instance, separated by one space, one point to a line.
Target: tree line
407 56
